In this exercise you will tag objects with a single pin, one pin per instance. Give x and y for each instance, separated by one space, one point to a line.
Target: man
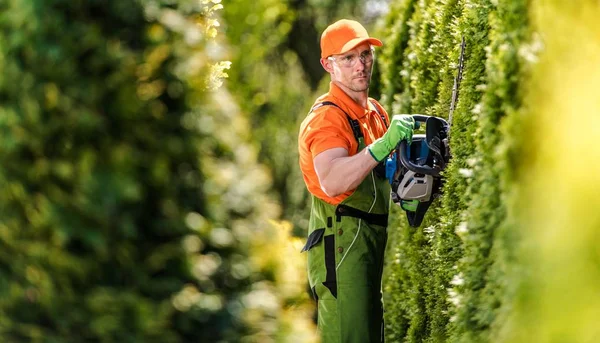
342 143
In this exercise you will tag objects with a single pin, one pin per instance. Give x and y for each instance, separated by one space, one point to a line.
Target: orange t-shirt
327 127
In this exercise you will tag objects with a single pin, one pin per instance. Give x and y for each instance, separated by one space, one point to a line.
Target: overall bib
346 245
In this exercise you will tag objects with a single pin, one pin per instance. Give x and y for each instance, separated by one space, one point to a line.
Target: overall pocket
313 239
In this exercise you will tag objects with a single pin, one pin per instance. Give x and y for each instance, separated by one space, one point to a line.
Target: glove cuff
379 149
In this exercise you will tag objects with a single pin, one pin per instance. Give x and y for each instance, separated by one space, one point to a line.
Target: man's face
353 69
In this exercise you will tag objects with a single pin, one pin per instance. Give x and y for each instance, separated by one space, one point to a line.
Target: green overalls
346 245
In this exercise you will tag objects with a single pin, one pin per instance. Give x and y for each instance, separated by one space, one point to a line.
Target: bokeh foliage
131 197
263 71
554 199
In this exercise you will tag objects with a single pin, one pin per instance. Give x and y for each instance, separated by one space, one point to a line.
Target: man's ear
326 63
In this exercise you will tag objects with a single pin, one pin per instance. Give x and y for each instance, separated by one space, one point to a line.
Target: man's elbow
331 190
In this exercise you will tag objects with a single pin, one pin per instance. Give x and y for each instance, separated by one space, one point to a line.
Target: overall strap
372 218
381 115
354 124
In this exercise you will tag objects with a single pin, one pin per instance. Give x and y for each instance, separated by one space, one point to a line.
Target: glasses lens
350 61
367 56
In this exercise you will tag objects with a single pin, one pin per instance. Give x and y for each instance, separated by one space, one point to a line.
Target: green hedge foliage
444 280
508 254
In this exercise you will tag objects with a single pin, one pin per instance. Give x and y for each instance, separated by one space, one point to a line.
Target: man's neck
360 98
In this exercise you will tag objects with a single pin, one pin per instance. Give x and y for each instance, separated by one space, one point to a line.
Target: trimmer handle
419 118
402 150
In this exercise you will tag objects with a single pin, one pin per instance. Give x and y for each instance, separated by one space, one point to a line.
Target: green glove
401 127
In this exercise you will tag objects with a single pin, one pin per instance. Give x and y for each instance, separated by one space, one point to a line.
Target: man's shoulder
324 115
378 107
325 108
375 103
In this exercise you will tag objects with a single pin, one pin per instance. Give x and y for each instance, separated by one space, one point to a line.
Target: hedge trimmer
415 169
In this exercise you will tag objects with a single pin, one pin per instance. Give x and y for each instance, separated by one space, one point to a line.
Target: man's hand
401 127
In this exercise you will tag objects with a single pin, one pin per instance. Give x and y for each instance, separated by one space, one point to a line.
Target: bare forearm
347 172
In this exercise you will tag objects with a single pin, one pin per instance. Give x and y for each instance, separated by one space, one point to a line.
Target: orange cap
344 35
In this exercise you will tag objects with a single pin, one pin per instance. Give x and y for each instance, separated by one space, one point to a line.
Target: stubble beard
361 87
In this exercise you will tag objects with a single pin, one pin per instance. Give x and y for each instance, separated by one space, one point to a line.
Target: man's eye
349 58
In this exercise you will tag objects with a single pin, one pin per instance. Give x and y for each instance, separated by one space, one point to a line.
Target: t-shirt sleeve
328 129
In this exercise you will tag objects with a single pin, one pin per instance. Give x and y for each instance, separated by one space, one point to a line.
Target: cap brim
358 41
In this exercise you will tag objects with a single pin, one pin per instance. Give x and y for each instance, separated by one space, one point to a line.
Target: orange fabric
327 127
344 35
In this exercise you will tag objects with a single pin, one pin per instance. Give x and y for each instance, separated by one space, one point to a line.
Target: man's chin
361 86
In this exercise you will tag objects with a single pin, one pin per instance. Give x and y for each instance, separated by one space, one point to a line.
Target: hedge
508 254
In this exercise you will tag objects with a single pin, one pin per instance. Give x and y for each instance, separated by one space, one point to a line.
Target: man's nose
362 63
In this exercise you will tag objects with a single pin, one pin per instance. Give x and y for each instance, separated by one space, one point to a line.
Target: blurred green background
149 187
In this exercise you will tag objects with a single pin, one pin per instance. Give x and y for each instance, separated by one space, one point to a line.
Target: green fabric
401 127
356 315
409 205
